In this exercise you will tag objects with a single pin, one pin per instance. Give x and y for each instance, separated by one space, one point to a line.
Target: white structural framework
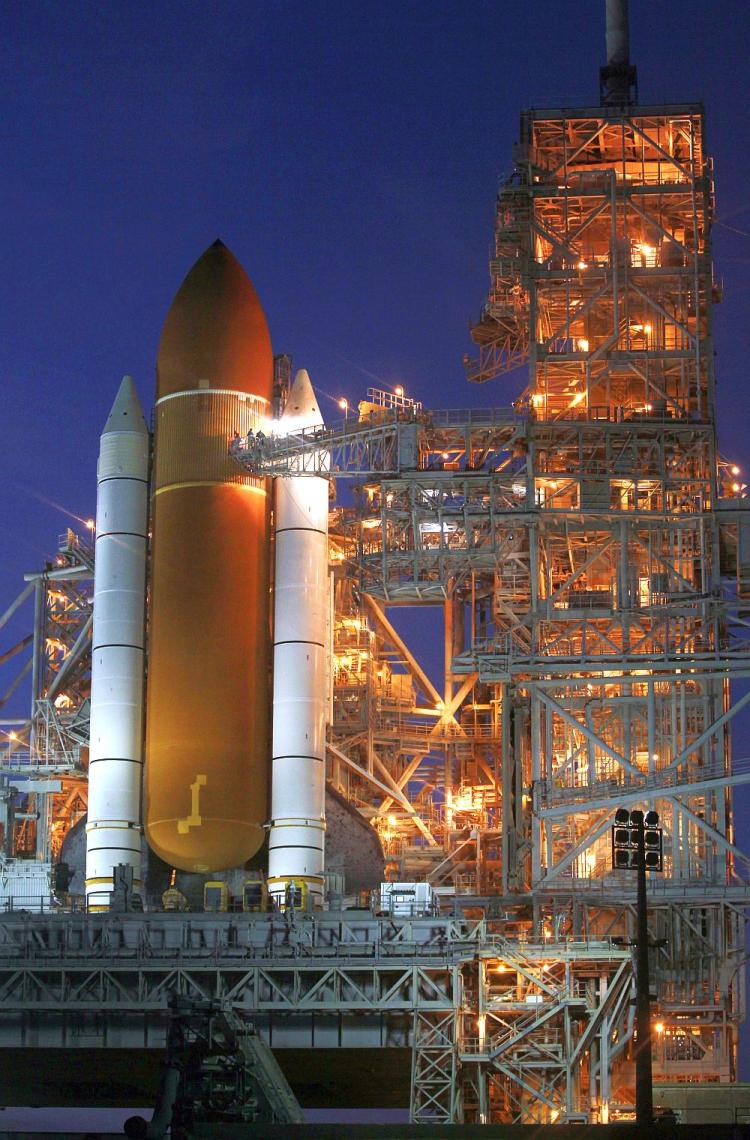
296 849
113 832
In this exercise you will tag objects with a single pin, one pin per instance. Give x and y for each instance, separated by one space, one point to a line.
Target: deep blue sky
347 152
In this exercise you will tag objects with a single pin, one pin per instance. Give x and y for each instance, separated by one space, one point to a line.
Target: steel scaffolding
523 1029
43 756
588 548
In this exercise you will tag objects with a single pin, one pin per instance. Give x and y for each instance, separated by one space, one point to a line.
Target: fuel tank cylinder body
207 709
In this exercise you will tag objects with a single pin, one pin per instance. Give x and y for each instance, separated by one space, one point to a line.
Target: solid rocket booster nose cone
215 334
301 406
126 413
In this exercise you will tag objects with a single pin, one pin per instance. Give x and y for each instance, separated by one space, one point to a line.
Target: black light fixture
625 840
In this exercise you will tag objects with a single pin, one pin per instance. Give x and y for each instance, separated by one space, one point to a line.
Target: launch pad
456 992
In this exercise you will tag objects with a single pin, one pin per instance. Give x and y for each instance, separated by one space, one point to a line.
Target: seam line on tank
122 479
304 529
97 881
211 392
119 759
258 490
116 645
297 756
300 641
295 847
298 821
114 847
119 534
115 824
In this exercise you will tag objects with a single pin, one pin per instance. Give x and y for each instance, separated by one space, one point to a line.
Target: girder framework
43 754
488 1021
592 578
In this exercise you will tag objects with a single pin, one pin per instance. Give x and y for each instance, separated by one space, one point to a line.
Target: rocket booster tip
126 413
301 409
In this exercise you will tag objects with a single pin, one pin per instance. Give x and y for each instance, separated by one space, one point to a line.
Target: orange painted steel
208 692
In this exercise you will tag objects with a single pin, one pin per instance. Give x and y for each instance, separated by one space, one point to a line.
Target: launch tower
613 652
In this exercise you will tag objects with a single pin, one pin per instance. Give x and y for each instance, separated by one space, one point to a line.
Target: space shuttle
191 741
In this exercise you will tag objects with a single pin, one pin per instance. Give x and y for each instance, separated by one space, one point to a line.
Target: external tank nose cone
215 334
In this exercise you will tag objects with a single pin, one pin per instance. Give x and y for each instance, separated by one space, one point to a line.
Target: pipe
618 32
618 78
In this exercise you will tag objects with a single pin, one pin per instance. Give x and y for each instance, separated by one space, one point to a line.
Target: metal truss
551 1022
592 581
40 754
502 332
435 1085
386 441
479 1011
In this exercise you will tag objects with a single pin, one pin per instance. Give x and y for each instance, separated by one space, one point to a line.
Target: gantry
43 778
587 547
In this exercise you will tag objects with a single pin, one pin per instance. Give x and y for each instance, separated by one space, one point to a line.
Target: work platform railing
386 442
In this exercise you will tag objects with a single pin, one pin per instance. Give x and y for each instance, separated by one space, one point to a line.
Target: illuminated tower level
618 668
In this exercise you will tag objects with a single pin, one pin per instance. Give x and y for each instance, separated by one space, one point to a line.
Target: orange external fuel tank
207 705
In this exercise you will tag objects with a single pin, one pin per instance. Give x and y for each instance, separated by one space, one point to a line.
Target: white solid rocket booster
296 846
113 830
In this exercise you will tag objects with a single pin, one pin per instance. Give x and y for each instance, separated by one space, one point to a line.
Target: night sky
347 152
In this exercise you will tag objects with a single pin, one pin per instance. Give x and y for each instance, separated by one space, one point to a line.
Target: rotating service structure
207 724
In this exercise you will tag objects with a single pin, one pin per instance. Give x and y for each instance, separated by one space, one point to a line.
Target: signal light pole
637 842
